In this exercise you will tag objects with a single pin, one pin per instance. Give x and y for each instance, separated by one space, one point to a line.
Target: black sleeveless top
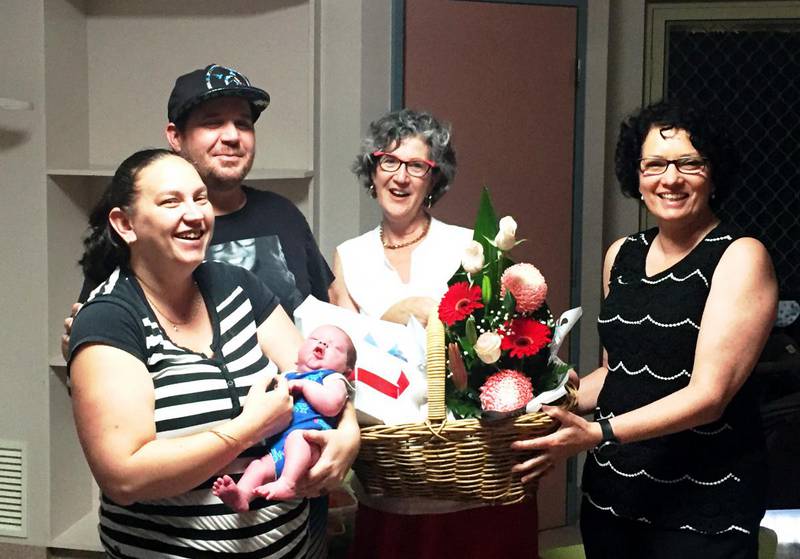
709 479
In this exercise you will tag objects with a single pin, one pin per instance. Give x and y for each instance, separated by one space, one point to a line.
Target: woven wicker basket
462 460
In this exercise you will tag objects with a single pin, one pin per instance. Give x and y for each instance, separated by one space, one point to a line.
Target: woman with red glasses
397 270
407 163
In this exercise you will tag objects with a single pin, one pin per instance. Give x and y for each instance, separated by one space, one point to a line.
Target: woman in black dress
676 464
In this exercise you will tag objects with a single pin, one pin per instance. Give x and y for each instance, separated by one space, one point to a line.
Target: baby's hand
296 386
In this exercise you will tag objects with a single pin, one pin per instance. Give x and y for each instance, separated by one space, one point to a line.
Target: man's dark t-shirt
270 237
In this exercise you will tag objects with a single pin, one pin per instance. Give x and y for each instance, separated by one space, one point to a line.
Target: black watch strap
609 445
608 432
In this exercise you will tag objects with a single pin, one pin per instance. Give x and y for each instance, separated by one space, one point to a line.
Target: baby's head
327 347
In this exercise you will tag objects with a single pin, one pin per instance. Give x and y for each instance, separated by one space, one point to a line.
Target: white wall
23 275
353 89
614 74
625 87
592 246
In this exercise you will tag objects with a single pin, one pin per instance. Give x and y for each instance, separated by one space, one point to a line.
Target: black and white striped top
193 393
709 479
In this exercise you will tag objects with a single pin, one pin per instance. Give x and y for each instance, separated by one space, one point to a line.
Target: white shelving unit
107 81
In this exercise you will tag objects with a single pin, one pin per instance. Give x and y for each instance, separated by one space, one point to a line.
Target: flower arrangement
498 326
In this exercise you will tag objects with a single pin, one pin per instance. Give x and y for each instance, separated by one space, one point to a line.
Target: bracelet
224 436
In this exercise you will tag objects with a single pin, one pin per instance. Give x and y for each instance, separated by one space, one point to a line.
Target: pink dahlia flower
506 391
526 284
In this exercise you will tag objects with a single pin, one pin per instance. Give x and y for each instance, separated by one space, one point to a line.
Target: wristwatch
609 445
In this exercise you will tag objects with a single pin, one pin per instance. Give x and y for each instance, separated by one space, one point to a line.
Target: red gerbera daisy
459 302
525 337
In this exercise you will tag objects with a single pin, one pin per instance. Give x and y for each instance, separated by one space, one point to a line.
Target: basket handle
435 367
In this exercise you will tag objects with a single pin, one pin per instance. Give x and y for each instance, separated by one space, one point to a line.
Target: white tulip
487 348
506 236
472 261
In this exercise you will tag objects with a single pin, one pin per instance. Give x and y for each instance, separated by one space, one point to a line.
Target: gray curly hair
386 133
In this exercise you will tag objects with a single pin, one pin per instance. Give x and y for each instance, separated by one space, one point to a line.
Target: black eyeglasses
650 166
414 167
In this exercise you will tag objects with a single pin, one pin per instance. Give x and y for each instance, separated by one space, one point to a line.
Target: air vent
12 489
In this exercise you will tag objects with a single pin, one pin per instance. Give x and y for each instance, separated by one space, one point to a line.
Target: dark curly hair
103 249
386 133
706 132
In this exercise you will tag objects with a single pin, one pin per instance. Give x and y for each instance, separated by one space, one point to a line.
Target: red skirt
500 532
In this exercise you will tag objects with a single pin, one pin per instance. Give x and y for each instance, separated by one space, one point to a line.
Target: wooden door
504 75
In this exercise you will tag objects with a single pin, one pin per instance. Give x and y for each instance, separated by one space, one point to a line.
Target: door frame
397 102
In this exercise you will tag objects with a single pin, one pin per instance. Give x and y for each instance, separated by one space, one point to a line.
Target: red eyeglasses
414 167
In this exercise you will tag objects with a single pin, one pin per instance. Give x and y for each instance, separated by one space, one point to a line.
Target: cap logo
219 77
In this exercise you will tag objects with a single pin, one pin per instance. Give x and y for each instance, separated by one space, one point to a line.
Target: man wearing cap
211 112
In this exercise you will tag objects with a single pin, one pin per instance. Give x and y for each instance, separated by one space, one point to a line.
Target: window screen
750 72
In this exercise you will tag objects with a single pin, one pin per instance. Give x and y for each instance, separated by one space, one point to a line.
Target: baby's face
326 347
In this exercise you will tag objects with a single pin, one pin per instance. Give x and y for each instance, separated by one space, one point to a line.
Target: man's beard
216 182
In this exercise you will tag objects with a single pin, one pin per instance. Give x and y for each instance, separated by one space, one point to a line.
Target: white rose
487 348
472 261
506 237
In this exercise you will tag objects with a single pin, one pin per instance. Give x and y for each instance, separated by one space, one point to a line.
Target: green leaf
472 334
463 403
550 377
486 221
503 263
465 344
486 289
509 304
486 228
460 275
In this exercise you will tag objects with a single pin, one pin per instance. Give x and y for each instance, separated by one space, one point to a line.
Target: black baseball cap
209 83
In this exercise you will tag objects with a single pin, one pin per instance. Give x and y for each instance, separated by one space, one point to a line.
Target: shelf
87 172
81 535
254 175
57 362
15 104
277 174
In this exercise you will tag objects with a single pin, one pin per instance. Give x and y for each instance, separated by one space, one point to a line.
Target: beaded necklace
416 239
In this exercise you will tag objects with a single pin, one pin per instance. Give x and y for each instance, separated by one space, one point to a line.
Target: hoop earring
372 192
429 201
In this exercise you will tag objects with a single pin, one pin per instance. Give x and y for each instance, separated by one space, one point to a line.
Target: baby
320 390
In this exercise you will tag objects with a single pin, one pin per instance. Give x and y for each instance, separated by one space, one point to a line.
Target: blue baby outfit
303 417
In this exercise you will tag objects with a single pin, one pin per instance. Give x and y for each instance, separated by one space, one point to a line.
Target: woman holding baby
168 365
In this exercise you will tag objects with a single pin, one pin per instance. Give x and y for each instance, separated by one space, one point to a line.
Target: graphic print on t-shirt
265 258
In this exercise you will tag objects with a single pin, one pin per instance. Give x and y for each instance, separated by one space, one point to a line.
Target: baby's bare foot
225 488
278 490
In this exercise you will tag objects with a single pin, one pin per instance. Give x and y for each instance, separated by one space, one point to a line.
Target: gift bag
389 376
